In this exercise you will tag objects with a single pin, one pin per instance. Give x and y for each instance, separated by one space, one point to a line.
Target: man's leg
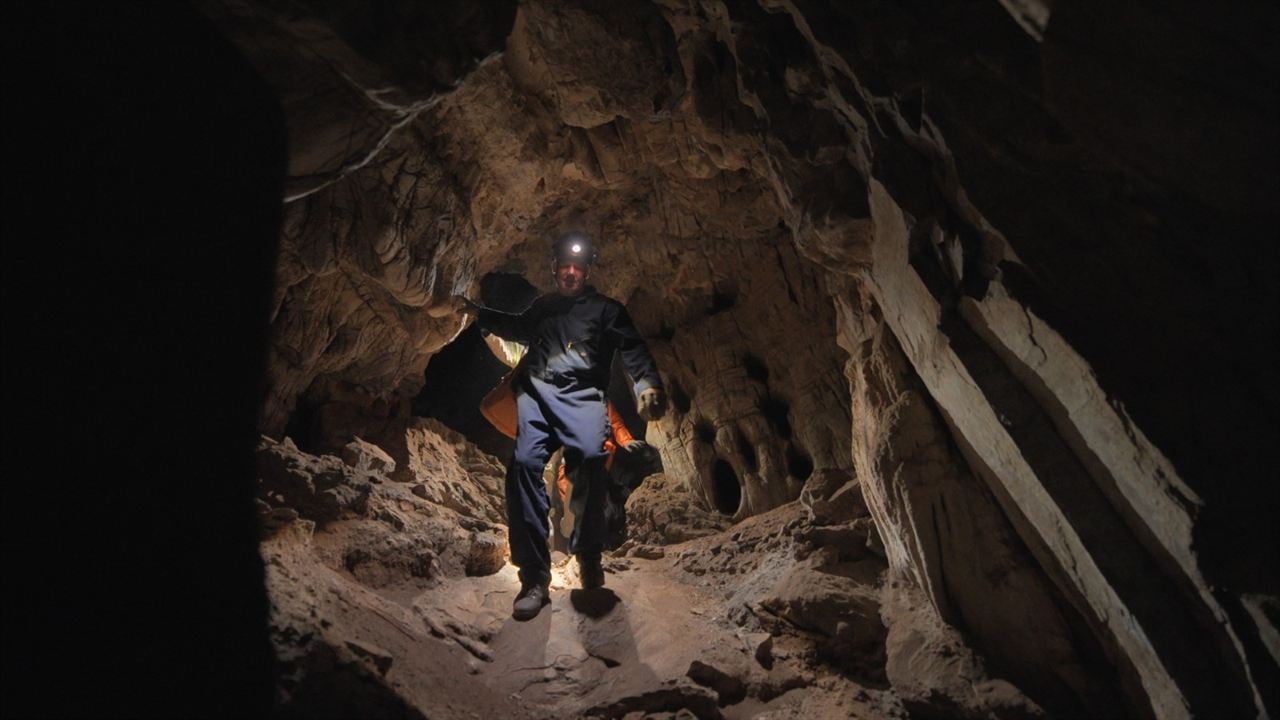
526 493
590 488
583 425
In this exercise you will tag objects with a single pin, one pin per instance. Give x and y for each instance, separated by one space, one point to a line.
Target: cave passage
457 379
944 438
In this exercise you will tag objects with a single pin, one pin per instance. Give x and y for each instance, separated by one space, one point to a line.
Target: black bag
631 465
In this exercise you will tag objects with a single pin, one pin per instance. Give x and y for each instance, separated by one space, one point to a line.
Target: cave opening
726 488
508 292
460 375
457 379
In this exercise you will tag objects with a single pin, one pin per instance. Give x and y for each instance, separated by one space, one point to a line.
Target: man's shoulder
545 301
595 296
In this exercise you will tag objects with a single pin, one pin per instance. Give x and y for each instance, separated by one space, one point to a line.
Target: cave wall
1046 263
944 532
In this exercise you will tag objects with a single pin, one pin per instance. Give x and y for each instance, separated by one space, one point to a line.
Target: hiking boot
590 572
530 601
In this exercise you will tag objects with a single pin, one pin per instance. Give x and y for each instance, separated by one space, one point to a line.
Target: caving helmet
573 246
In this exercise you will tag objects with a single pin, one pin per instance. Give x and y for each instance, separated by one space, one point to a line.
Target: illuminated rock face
1022 302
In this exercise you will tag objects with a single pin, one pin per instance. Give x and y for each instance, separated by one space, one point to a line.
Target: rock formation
966 315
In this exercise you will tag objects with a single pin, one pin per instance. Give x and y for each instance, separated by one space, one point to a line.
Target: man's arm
508 326
650 395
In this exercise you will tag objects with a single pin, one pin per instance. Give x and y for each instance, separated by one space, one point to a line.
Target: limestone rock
344 649
840 601
487 555
381 532
445 469
380 659
832 497
660 512
367 458
675 696
935 673
321 489
726 680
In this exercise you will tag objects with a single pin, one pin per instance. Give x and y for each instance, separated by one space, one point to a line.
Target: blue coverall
560 401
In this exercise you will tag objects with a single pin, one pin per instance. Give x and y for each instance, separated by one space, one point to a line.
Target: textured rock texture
381 530
388 604
662 511
1003 268
348 548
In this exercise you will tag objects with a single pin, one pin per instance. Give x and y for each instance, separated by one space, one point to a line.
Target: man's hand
455 305
462 304
652 404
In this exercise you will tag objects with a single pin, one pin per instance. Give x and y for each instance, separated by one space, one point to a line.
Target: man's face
571 278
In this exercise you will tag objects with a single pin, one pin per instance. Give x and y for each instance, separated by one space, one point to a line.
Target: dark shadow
776 411
755 368
680 400
596 603
457 379
747 451
704 431
728 490
607 636
334 690
143 176
1183 635
464 371
721 300
507 292
799 463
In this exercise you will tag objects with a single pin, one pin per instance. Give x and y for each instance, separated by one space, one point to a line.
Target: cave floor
634 638
684 631
654 640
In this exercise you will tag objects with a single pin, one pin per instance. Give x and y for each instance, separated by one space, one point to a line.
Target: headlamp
573 247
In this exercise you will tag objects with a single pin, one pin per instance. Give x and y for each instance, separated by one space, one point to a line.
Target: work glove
633 463
455 305
462 304
652 404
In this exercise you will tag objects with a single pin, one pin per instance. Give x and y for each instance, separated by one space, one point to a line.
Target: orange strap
499 406
620 432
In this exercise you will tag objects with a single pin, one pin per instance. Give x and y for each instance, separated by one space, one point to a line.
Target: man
572 335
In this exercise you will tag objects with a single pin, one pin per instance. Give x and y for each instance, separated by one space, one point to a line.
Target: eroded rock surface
662 512
377 612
